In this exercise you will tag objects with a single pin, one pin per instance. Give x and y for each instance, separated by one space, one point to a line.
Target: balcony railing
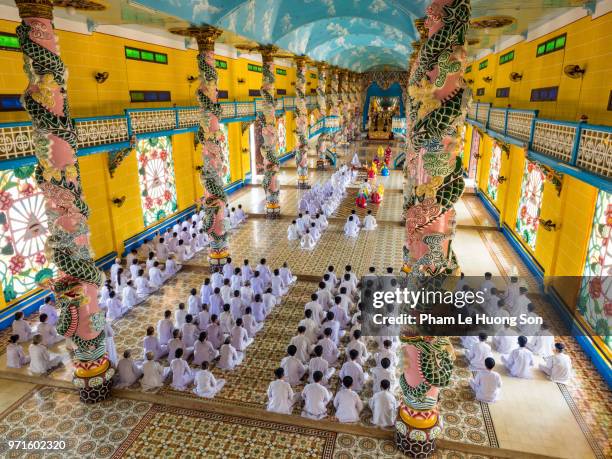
398 126
326 125
568 146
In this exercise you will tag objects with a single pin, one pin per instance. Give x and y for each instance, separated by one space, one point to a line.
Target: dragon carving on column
322 106
437 104
301 122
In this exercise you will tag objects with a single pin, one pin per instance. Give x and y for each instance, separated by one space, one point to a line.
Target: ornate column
57 174
210 136
440 100
322 106
270 134
301 122
345 107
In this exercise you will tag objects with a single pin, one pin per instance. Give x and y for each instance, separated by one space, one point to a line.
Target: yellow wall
587 45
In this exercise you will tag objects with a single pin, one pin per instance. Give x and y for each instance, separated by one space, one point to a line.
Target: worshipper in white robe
353 369
177 343
351 229
278 289
194 303
216 302
369 222
317 310
356 343
468 341
189 331
120 281
258 309
203 350
280 394
173 242
302 344
109 340
330 350
216 279
478 353
129 297
206 385
134 268
226 291
165 327
128 371
143 289
246 294
520 361
384 406
520 304
114 307
171 268
532 324
312 329
347 402
215 335
381 372
293 366
247 272
228 269
322 222
182 375
316 397
156 277
48 308
334 325
250 324
241 215
340 313
235 219
314 231
114 268
387 352
151 344
131 257
48 332
161 250
179 316
269 300
15 356
150 260
203 318
205 291
41 360
183 252
202 240
239 337
307 242
318 363
236 280
229 357
487 383
558 367
512 290
506 340
355 217
236 305
543 343
325 293
22 328
153 374
264 272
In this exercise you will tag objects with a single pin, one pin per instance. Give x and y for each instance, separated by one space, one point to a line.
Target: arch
395 90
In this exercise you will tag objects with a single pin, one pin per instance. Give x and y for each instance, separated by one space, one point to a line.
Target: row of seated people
353 224
216 327
332 322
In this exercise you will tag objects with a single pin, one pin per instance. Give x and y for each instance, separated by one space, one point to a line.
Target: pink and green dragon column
301 123
439 104
334 102
269 149
323 139
55 138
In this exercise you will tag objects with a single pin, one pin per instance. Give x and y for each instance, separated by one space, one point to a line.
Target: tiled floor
528 418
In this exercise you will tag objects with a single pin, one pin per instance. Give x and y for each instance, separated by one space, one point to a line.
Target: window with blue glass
545 94
10 103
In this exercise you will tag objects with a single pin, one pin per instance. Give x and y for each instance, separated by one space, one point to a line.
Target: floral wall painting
226 173
282 136
493 183
595 298
23 233
532 189
156 178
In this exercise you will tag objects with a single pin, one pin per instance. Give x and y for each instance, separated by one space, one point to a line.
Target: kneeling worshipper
143 289
182 376
369 222
239 337
49 308
347 403
153 374
307 242
293 234
128 371
15 356
129 297
280 394
478 353
353 369
152 345
520 361
22 328
487 383
558 367
384 406
293 367
318 363
48 332
230 358
156 277
351 228
41 360
316 397
381 372
203 350
206 385
543 343
171 268
109 340
114 307
286 275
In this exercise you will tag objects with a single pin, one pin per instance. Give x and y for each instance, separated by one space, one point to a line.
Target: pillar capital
35 9
301 60
205 36
321 66
267 52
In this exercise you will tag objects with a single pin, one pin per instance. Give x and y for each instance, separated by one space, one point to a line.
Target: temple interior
154 151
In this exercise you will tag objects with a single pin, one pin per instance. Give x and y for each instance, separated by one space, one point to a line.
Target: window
313 75
480 92
282 135
595 298
220 64
313 91
10 103
552 45
254 92
156 178
23 233
282 72
146 56
9 42
222 94
150 96
254 68
493 184
610 102
507 57
544 94
281 92
530 202
502 92
484 64
468 69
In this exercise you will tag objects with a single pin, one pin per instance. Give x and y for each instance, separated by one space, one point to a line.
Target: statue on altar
372 171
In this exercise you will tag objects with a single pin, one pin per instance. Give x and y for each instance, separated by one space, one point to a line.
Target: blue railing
398 126
326 125
111 133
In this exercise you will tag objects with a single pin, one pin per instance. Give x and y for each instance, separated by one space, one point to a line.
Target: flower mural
493 183
595 298
532 189
226 176
23 233
156 178
282 135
